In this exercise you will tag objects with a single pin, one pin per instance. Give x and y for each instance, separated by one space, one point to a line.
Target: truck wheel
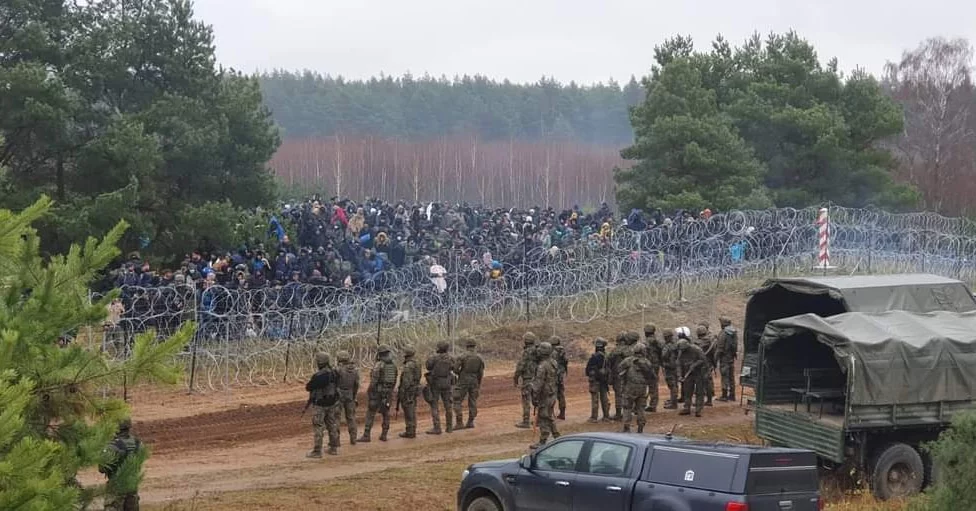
931 471
897 472
483 504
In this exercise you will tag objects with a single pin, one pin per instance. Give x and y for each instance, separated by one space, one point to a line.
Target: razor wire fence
261 336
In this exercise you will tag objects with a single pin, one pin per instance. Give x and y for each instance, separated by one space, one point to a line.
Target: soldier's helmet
469 342
382 348
322 359
621 338
125 424
600 342
702 330
443 346
529 338
668 334
409 351
343 357
639 348
650 329
545 349
554 340
724 321
632 337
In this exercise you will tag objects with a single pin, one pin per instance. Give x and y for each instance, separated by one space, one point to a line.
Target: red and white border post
823 239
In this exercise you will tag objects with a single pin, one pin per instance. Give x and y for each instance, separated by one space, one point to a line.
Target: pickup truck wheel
898 471
483 504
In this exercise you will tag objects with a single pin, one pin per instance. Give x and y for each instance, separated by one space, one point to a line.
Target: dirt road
255 438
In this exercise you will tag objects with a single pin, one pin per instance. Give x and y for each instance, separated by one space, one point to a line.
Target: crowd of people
342 243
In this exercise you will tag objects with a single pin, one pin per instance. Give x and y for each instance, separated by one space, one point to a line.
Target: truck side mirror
526 462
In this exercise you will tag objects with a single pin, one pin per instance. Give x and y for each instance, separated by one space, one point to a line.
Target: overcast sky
582 40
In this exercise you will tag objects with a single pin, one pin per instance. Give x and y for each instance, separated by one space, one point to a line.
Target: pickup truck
634 472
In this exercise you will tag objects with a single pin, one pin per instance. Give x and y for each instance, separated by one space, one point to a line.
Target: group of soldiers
632 369
449 380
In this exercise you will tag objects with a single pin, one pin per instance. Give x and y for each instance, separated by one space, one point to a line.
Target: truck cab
831 295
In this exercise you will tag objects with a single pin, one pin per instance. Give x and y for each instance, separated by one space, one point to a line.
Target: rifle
396 412
307 404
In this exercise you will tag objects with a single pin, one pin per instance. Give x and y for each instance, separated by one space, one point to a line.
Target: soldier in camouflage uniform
706 341
559 354
524 373
348 390
726 352
407 392
617 355
122 446
544 394
470 370
382 379
654 354
323 395
692 364
596 375
669 363
440 366
635 372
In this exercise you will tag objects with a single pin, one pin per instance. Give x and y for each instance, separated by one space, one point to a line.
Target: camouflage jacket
117 451
616 356
692 357
669 355
546 380
525 370
383 377
707 345
636 370
562 363
728 345
348 380
470 368
655 352
409 378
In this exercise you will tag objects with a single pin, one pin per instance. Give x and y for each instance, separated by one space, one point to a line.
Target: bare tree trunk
338 166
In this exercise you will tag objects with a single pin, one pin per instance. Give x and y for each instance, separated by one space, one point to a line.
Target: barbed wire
259 336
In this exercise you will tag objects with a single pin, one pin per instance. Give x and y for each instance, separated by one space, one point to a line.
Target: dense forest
309 105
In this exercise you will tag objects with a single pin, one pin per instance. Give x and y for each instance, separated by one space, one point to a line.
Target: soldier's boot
618 416
670 405
732 395
407 434
383 434
640 428
684 411
539 445
470 424
352 438
708 402
365 438
593 420
436 430
626 428
697 413
650 409
314 453
450 423
562 413
523 425
725 395
333 450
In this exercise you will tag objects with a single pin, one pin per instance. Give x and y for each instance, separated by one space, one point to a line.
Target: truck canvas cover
920 292
899 357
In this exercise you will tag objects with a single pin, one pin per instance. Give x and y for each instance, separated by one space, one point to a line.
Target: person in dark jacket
323 395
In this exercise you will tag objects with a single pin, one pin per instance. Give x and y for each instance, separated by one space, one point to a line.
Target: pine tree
53 422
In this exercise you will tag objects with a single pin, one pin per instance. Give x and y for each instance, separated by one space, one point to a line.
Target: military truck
828 296
866 390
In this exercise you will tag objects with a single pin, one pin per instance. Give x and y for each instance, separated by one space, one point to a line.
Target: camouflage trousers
599 400
671 379
325 418
544 418
561 395
470 392
727 369
441 394
408 403
347 410
618 396
526 389
379 401
652 394
694 386
708 381
635 399
126 502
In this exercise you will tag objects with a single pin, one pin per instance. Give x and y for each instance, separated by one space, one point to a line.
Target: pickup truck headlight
464 475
